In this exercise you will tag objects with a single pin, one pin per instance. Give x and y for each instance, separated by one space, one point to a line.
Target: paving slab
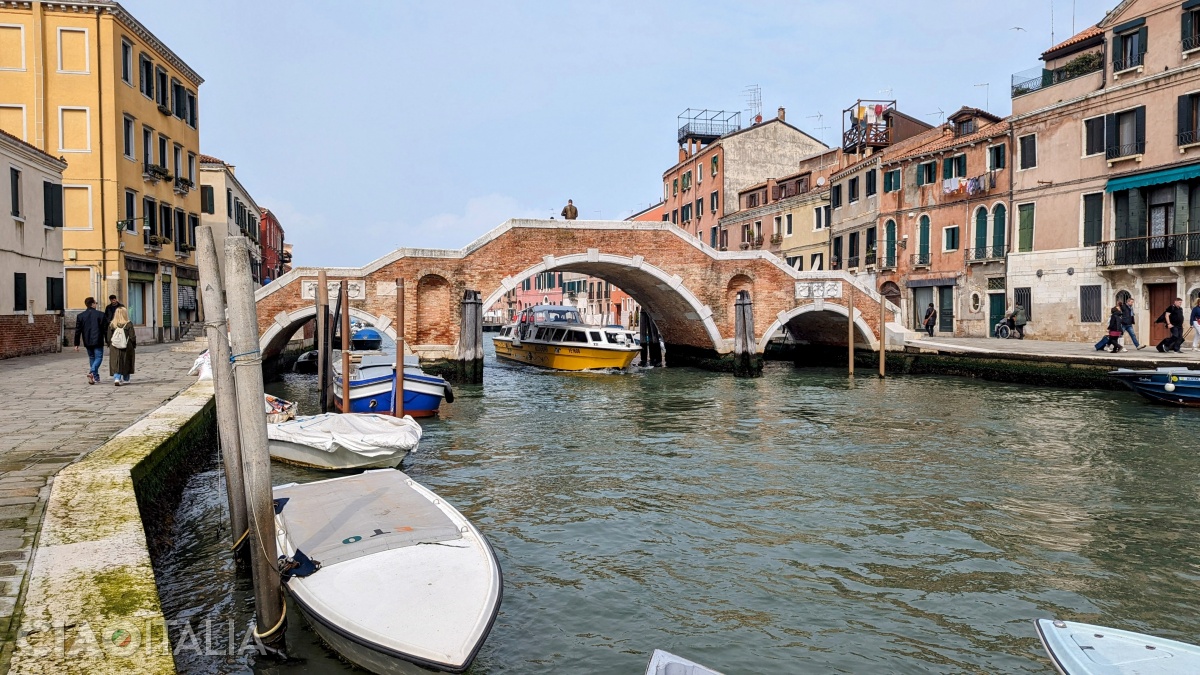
53 417
1061 352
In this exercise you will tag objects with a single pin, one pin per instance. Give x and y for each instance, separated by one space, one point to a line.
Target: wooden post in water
882 335
644 327
344 291
322 293
469 355
745 362
398 403
212 292
256 461
331 320
850 326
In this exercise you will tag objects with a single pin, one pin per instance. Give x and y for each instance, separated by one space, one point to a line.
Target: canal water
795 523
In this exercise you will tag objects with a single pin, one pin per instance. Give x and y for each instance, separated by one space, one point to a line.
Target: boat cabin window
506 331
615 338
558 335
596 336
539 317
576 336
561 316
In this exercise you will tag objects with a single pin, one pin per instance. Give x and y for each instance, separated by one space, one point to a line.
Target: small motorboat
1172 386
278 410
555 337
1084 649
366 340
373 386
666 663
344 441
387 573
306 363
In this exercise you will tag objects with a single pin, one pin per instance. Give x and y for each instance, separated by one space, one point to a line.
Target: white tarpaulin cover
365 434
337 520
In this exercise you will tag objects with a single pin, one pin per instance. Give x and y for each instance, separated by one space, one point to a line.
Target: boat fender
298 565
373 404
449 393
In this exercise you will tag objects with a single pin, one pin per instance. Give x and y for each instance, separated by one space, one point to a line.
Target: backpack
119 340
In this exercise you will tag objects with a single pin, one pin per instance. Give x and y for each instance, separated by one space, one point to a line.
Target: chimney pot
781 114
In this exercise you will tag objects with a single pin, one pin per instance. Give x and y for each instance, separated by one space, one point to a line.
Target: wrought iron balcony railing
1128 63
1189 137
920 259
1152 250
887 261
852 262
1125 150
986 253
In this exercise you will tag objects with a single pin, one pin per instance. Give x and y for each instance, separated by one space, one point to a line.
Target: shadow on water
789 523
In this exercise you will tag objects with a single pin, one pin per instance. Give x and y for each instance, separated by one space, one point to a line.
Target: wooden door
996 309
946 309
1161 297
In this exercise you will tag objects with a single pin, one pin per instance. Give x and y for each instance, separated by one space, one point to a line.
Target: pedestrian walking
123 340
1173 317
89 329
1127 322
930 319
1114 328
1019 319
110 308
1195 322
569 211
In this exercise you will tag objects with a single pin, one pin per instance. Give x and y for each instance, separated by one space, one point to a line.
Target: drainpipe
99 61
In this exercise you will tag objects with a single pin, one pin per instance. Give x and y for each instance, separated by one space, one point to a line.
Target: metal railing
1028 81
1152 250
871 259
1133 61
921 259
1125 150
852 262
1188 137
887 261
986 253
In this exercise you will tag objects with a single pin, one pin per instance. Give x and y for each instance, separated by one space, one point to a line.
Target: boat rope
218 324
242 538
278 624
245 362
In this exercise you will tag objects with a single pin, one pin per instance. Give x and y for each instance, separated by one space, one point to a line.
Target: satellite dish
820 180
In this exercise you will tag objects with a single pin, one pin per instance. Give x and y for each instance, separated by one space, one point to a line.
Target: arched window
889 239
981 240
999 227
923 242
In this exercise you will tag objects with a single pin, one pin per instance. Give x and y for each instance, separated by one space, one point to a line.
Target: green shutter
890 239
962 165
1187 30
920 175
999 228
924 240
1025 227
980 233
1092 219
947 168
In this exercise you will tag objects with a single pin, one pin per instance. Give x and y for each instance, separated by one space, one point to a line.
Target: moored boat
306 363
366 339
277 409
344 441
666 663
387 573
1172 386
555 337
373 386
1084 649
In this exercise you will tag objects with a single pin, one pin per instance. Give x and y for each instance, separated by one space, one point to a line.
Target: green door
996 305
946 309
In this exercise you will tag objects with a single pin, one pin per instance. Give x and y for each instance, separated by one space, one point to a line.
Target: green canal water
797 523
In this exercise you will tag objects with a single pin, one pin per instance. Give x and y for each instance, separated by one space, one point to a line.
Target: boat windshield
561 316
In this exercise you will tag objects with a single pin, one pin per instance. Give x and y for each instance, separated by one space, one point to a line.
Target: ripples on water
793 523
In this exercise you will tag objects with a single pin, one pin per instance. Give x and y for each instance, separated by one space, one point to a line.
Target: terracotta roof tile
209 159
31 146
1075 39
889 153
951 141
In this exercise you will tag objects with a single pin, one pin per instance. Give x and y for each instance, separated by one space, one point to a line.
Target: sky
371 125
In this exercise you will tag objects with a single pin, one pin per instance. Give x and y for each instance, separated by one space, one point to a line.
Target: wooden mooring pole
745 362
850 327
882 335
469 355
212 292
344 292
256 460
398 403
322 297
332 320
644 328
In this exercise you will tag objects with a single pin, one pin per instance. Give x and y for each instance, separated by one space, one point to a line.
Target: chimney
781 115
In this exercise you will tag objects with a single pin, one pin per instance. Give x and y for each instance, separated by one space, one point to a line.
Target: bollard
322 318
745 361
468 355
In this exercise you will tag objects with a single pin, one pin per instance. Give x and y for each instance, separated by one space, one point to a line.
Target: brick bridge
686 287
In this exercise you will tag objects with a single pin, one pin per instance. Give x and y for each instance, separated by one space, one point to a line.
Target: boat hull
1152 384
422 395
1084 649
562 357
367 656
338 460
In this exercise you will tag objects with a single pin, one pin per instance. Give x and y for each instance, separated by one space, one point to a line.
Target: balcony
921 259
1187 139
1128 63
1190 43
1035 79
852 262
887 262
1123 151
986 254
870 259
1164 249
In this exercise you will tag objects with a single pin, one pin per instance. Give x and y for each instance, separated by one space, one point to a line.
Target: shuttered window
1093 219
981 241
997 157
872 188
14 186
835 196
1188 119
52 203
890 243
1093 136
54 294
1025 227
1028 148
999 229
891 181
1090 310
20 299
207 203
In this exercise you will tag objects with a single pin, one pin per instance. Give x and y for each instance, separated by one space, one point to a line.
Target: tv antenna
940 114
820 128
753 95
987 94
886 92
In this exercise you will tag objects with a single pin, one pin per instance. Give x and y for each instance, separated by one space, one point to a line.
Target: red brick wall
18 337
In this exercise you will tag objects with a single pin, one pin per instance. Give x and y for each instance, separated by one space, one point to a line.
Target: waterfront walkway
1060 352
51 418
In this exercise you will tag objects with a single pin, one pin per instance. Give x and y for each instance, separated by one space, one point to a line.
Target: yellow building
86 81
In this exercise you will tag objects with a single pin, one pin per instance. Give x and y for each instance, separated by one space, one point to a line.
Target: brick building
274 255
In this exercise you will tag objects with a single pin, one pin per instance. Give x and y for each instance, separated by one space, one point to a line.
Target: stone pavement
1062 352
50 418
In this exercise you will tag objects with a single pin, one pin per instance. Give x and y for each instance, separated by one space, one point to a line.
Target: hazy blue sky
371 125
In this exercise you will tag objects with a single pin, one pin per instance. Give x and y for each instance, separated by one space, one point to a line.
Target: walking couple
1121 316
112 327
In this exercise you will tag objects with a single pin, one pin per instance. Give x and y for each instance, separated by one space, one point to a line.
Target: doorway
996 307
1161 297
946 309
922 298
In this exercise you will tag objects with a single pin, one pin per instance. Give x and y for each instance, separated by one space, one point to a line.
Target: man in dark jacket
110 309
1174 320
89 327
1127 322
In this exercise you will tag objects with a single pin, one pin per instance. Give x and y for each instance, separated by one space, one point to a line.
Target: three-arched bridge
687 287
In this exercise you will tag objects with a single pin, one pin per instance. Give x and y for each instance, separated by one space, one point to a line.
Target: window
777 228
871 241
1025 228
1024 298
818 218
817 262
795 262
191 109
687 181
178 164
964 127
835 261
872 179
54 294
1129 45
147 145
852 246
14 191
150 224
787 225
954 167
999 230
1089 304
699 207
714 166
685 213
1028 149
922 242
20 296
193 222
126 62
675 186
160 88
981 241
1125 135
926 173
178 99
835 196
180 228
675 216
1191 27
996 157
889 241
852 190
191 168
1093 218
712 201
146 76
130 142
950 238
130 211
891 181
1093 136
163 144
1189 119
712 238
52 204
164 221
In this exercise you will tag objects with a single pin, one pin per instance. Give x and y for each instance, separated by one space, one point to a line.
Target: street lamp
127 225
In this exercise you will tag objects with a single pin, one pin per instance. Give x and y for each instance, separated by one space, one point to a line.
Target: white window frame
21 27
819 218
191 163
990 167
21 206
24 118
147 148
129 123
777 225
177 159
87 50
1021 152
125 43
88 112
90 207
852 179
787 219
951 227
1083 153
131 216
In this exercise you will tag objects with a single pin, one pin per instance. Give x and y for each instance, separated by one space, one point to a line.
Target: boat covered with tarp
344 441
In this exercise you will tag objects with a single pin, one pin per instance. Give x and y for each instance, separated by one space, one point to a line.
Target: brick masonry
18 337
657 264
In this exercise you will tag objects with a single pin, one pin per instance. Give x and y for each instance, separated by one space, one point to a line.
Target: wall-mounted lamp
126 226
1039 274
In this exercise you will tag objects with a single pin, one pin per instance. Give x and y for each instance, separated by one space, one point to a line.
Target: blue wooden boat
1084 649
373 387
366 339
1172 386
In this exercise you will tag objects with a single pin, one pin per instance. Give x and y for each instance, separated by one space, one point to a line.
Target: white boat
1084 649
277 409
404 581
666 663
344 441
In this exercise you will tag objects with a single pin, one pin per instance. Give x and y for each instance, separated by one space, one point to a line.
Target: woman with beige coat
122 340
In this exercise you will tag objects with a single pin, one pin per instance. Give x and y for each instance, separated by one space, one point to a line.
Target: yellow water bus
554 336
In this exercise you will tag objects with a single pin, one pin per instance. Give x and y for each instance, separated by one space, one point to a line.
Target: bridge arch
663 296
276 337
785 318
